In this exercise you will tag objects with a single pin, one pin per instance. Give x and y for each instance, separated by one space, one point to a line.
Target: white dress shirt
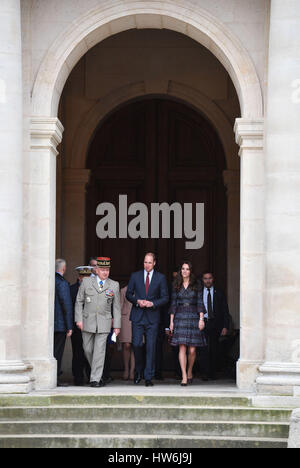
150 276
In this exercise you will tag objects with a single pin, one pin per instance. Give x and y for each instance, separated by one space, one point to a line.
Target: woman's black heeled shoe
190 381
183 384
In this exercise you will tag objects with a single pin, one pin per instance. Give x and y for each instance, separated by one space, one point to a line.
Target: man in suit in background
63 313
217 322
97 304
80 365
148 292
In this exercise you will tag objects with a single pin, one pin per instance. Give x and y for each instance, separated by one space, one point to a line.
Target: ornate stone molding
176 90
279 378
46 133
15 377
249 134
113 17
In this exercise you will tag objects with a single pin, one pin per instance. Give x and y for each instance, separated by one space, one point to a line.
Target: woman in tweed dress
187 320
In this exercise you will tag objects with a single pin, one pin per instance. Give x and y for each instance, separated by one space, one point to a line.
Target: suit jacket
157 293
221 311
63 309
96 308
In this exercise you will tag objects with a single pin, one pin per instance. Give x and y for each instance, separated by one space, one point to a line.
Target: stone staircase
139 421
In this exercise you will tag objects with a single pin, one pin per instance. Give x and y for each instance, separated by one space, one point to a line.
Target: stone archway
176 90
179 16
46 129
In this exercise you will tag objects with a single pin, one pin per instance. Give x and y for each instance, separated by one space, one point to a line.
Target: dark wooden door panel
156 150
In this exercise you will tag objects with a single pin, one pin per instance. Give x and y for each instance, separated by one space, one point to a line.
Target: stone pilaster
14 372
232 184
40 221
280 373
74 188
249 136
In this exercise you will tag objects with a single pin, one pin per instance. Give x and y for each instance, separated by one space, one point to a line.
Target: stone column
232 184
280 373
249 136
40 227
74 223
294 435
14 376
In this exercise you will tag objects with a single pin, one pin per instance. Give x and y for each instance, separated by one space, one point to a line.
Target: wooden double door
157 150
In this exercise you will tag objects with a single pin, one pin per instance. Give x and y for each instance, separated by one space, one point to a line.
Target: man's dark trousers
145 321
59 346
150 331
211 352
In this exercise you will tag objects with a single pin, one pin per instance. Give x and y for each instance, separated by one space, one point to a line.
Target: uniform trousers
94 345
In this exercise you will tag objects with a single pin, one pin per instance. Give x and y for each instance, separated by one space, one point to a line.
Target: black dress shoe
94 384
149 383
97 384
137 379
108 379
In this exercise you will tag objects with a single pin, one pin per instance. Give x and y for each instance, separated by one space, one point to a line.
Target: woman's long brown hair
178 281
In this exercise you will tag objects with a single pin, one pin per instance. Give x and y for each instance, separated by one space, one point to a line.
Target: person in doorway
97 304
217 322
80 365
187 320
63 314
125 337
148 292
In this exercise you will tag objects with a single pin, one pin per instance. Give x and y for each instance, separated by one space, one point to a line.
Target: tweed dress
186 305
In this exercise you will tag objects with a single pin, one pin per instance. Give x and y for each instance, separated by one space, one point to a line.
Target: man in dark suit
80 365
63 313
217 322
148 292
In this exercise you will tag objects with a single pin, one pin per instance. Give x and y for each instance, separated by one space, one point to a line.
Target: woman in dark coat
187 320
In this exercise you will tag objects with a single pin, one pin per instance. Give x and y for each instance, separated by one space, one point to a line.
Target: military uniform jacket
96 308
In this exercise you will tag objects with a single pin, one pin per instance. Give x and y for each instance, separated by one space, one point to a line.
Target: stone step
138 441
125 399
144 412
146 427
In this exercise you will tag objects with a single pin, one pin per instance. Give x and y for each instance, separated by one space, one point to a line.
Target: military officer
97 304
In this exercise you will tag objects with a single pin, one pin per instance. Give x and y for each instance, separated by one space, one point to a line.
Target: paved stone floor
167 387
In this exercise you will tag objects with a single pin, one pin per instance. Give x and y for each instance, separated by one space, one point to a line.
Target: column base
247 372
294 436
15 377
278 379
44 373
